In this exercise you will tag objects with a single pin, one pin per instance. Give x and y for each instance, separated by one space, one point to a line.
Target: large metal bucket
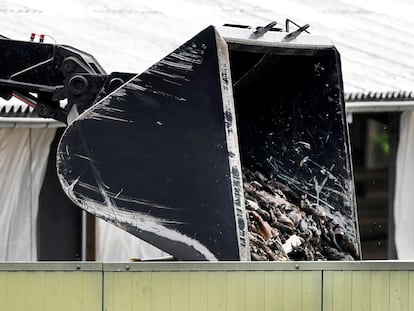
160 156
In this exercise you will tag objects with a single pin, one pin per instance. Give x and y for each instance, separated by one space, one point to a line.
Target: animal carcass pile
284 226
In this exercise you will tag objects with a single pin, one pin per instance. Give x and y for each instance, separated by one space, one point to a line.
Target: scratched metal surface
153 157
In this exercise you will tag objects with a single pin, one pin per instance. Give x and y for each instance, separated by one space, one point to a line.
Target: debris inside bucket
286 226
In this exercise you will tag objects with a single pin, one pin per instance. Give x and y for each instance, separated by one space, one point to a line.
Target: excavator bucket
160 156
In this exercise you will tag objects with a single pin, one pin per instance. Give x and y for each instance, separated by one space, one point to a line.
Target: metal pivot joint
42 75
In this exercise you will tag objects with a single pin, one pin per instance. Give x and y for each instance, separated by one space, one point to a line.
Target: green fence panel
376 286
170 287
39 287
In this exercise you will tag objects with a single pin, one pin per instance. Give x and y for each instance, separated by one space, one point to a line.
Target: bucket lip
274 39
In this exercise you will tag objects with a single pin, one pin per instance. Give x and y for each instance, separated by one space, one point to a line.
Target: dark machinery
159 153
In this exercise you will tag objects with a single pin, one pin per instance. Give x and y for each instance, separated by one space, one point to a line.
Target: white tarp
404 189
115 245
23 157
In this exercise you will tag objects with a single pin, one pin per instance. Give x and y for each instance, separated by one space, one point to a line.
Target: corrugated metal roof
15 113
376 43
16 109
375 38
379 96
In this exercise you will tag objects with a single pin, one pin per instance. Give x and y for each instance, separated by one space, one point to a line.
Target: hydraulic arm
43 74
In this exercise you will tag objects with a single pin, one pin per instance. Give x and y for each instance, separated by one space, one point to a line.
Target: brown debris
260 226
285 226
